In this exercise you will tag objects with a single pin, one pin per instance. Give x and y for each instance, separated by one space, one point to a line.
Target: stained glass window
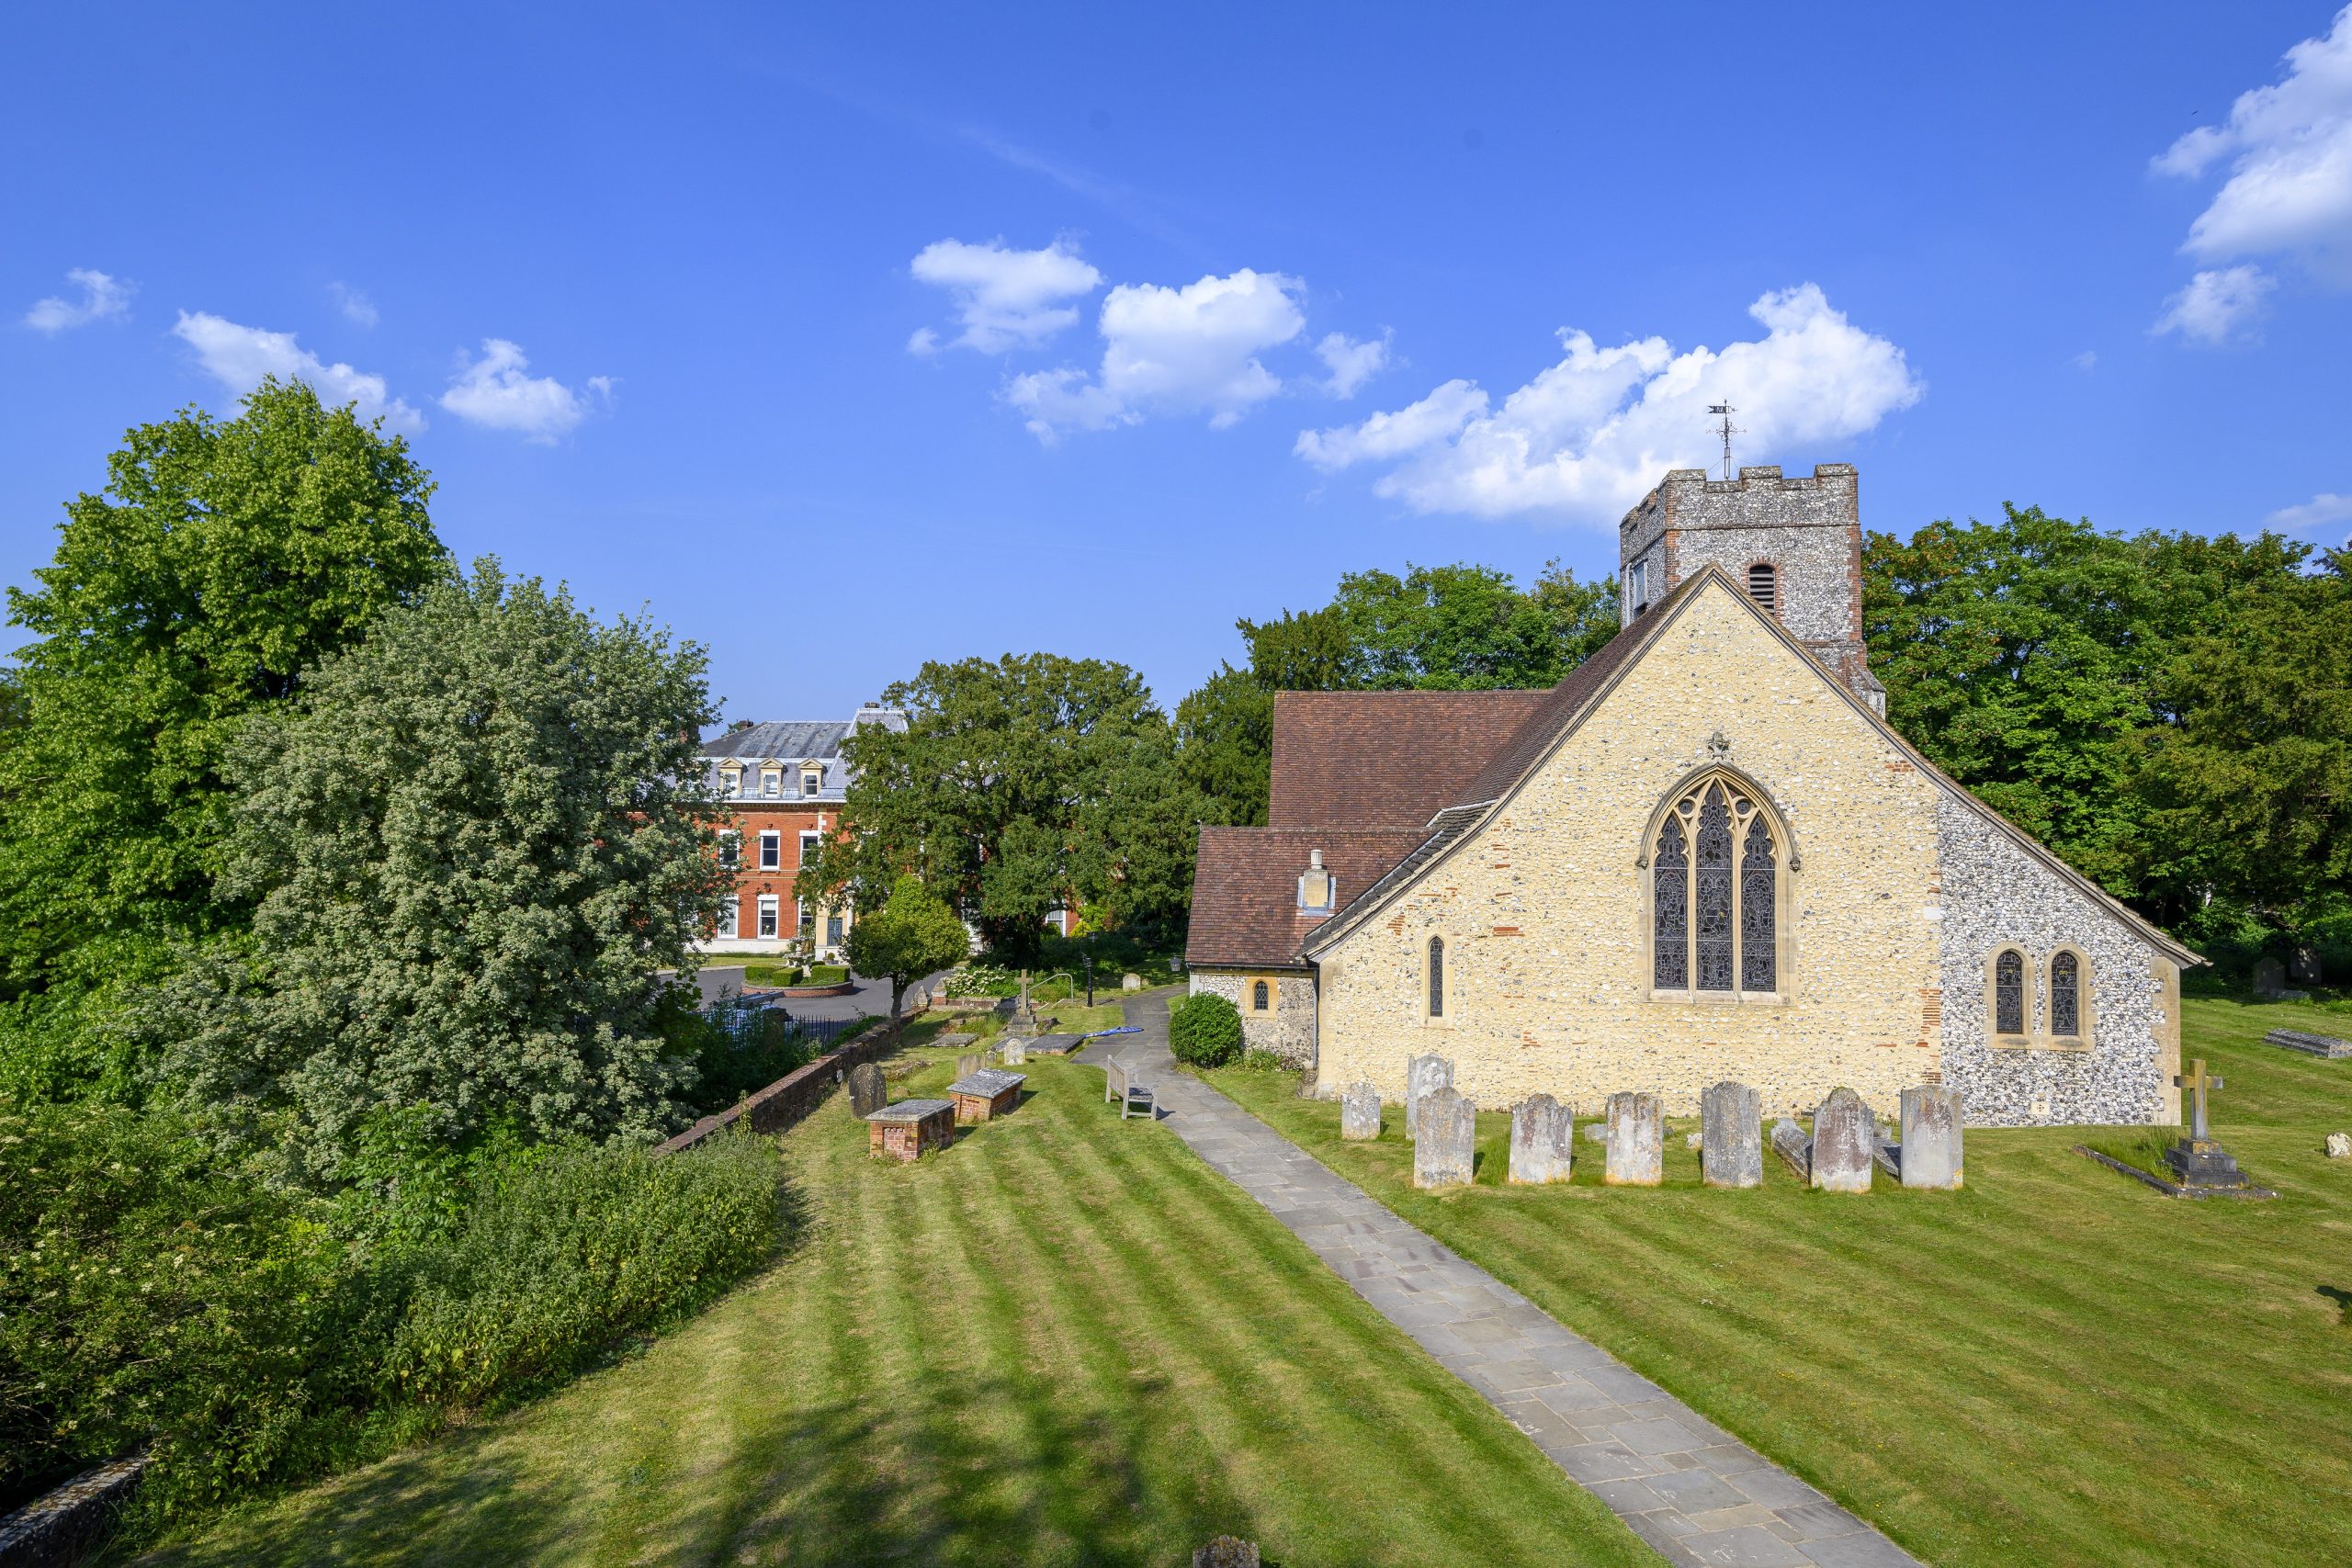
1758 931
1670 941
1711 894
1258 997
2066 994
1437 977
2009 993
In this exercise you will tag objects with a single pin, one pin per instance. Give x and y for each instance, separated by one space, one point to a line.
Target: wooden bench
1130 1092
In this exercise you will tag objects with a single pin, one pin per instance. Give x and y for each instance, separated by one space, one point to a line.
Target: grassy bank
2056 1365
1065 1340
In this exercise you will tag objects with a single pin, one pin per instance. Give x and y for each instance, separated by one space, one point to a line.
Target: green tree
986 794
471 841
223 559
907 938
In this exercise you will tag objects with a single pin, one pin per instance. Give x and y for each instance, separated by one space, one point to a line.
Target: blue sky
844 339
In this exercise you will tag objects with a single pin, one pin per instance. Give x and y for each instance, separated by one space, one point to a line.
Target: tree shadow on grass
2343 1300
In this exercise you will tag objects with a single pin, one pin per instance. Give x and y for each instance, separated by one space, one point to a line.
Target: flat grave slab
909 1129
2325 1045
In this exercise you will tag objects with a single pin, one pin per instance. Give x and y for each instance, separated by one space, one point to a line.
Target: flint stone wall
1996 895
1289 1031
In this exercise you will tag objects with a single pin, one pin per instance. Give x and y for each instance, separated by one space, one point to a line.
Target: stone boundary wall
792 1096
57 1529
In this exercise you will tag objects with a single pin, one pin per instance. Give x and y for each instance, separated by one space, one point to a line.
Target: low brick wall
792 1096
59 1528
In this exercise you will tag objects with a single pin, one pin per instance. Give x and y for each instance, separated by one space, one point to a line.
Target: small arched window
2066 994
1259 994
1764 586
2008 992
1437 977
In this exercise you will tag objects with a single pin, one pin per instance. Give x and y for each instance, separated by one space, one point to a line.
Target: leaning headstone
970 1062
867 1091
1931 1136
2302 965
1360 1111
1542 1145
1448 1141
1423 1075
1636 1146
1789 1141
1845 1143
1731 1134
2339 1145
1227 1552
2269 980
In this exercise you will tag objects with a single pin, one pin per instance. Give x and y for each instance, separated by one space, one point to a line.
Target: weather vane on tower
1728 430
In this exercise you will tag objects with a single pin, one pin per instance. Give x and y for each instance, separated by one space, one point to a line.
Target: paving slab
1699 1499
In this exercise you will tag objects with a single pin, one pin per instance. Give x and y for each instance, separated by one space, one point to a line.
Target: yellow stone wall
1562 1006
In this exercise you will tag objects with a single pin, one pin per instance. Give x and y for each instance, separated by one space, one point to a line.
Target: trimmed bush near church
1204 1031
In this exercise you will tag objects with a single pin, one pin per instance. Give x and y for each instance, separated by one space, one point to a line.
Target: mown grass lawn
2055 1365
1065 1340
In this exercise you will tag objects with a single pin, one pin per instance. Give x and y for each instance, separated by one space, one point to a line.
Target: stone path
1683 1485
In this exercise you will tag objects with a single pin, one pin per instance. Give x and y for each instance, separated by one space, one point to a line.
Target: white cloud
2319 510
239 356
1590 435
2218 306
2290 144
102 296
1351 363
356 308
2086 361
1184 350
495 392
1005 298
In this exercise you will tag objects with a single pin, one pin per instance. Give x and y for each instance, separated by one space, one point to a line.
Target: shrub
828 973
560 1254
743 1048
978 979
1256 1061
1204 1030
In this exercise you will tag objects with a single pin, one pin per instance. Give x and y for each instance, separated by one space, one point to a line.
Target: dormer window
1317 888
730 781
811 781
771 782
1764 587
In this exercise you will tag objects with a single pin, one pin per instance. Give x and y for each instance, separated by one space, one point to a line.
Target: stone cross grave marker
1731 1135
1931 1124
1845 1143
1542 1145
1423 1075
1360 1111
867 1092
2196 1081
2197 1160
1447 1145
1637 1146
2270 979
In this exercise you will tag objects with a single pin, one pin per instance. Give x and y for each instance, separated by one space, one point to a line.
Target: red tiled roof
1245 887
1381 759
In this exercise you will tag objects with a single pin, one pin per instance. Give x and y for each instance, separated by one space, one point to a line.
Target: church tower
1795 544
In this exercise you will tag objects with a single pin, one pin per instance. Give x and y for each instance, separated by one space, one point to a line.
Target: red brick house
782 786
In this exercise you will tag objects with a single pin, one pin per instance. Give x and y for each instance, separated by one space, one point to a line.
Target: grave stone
1014 1052
970 1062
1789 1141
1596 1132
2303 966
1227 1552
2198 1160
867 1091
1731 1134
1423 1075
2269 980
1541 1146
1447 1143
1360 1111
1845 1143
1931 1124
2339 1145
1636 1146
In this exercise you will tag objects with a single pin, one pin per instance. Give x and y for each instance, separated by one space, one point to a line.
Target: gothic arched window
1437 977
2066 994
1714 893
2008 992
1258 997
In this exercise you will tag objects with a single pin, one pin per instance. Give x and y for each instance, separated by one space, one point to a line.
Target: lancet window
1715 893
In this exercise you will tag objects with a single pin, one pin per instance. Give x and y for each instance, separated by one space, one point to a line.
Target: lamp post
1089 979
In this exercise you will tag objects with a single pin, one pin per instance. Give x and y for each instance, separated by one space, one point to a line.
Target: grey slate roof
792 742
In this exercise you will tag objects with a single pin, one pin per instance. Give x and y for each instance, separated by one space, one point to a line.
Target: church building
1703 855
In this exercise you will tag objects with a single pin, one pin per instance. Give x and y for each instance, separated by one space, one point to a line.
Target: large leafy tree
907 938
1005 766
223 559
470 842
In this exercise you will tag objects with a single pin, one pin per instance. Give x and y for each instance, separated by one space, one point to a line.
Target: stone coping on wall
53 1531
792 1096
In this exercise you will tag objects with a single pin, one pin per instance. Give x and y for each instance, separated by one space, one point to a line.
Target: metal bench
1132 1094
